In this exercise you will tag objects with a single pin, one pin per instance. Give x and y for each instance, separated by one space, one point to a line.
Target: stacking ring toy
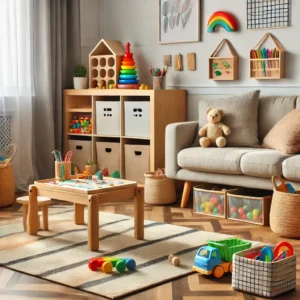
128 63
282 246
128 72
127 59
128 67
266 254
129 86
129 81
125 76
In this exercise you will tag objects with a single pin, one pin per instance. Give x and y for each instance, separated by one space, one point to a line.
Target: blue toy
266 254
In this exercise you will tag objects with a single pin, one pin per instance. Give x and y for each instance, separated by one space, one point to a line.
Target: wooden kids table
83 192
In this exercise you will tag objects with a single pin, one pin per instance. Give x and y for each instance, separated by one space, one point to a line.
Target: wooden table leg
32 219
79 213
93 223
25 214
139 213
45 217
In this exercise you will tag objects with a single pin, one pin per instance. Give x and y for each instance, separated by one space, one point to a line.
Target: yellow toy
212 133
143 87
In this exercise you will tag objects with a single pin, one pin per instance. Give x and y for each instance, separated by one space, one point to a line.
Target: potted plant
80 79
90 167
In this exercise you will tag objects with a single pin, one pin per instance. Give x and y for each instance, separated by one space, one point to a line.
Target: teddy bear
212 134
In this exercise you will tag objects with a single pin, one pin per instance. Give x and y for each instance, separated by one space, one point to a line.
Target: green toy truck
216 257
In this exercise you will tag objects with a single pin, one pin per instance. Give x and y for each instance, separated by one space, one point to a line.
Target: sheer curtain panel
17 85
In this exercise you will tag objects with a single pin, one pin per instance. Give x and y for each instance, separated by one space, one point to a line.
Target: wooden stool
42 201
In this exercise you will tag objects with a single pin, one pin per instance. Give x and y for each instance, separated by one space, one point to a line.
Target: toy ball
261 217
233 209
214 200
241 210
220 206
250 215
235 215
207 211
246 208
209 205
215 211
256 213
201 207
244 216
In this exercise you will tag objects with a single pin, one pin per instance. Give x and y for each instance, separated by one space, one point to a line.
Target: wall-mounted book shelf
224 68
267 63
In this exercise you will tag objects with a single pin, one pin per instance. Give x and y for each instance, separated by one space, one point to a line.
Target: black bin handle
78 147
138 153
108 150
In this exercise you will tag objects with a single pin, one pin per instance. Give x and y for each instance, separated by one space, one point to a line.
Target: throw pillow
240 115
285 135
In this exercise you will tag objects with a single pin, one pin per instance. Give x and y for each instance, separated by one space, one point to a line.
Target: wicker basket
7 182
267 279
159 189
284 217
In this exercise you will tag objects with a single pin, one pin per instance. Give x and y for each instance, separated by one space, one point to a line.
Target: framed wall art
268 13
179 21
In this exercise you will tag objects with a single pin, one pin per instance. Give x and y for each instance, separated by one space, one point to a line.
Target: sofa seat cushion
215 160
263 163
291 168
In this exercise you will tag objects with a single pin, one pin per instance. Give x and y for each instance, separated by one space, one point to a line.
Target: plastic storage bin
211 199
267 279
108 155
108 117
137 118
82 151
249 206
137 162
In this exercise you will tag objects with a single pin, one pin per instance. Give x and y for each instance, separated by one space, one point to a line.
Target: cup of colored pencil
159 77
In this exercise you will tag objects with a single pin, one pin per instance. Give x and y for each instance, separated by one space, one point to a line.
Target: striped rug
61 254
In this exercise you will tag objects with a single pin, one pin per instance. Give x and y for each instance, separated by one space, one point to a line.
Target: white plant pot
80 83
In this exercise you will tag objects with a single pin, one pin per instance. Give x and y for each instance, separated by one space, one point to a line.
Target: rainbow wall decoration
224 19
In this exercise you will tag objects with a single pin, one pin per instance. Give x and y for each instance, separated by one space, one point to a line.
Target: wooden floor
18 286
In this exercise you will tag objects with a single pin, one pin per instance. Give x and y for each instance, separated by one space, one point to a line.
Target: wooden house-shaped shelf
105 63
224 68
267 63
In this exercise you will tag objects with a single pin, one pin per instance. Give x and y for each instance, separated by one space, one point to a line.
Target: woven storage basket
159 189
267 279
284 214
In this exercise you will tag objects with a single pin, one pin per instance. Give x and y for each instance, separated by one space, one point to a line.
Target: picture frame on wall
179 21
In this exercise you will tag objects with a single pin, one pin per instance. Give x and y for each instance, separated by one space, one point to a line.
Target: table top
83 186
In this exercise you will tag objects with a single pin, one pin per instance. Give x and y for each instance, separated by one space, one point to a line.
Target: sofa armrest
178 136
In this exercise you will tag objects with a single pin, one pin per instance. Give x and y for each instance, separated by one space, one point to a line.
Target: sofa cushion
215 160
270 110
240 114
263 163
291 168
285 135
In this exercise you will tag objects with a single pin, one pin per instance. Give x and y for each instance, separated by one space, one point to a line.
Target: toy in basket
284 219
7 183
266 271
216 257
158 188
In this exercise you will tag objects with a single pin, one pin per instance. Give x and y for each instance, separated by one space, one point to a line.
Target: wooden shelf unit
268 68
224 68
166 107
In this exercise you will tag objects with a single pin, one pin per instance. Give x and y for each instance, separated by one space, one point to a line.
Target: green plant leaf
226 64
80 71
215 65
218 73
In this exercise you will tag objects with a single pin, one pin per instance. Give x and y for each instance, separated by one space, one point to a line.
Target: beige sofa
241 167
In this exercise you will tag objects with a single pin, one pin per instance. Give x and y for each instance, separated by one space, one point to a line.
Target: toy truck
216 257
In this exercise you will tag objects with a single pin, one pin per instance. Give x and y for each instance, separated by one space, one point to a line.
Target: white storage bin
108 155
82 151
137 162
137 118
108 117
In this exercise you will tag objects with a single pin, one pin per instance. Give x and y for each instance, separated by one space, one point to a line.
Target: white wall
136 21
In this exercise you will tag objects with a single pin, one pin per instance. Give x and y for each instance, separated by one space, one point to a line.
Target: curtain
17 85
39 49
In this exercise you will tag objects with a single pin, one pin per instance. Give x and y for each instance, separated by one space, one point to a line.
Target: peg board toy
104 63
